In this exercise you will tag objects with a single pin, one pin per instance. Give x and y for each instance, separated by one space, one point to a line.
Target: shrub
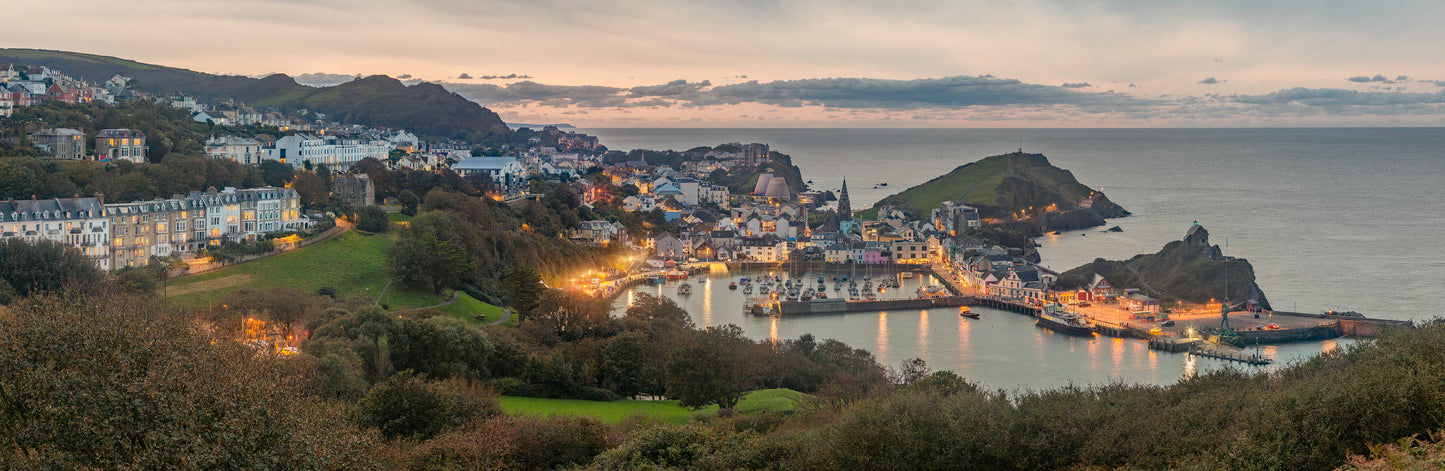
407 405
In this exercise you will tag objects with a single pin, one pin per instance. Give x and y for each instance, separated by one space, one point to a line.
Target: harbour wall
825 307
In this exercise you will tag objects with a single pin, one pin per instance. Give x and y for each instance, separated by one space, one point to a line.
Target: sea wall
826 307
1319 332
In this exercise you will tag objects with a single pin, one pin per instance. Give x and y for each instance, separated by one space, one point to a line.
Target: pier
1211 351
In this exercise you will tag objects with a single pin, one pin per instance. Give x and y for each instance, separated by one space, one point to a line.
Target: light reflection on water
923 331
881 349
999 350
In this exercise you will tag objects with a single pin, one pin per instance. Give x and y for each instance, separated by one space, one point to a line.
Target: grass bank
352 262
614 412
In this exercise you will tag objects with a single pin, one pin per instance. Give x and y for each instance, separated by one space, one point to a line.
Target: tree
711 366
16 181
523 290
409 202
44 266
654 308
275 173
423 259
623 363
407 405
189 400
912 371
372 219
311 189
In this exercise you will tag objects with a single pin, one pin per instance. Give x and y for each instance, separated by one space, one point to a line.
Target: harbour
1003 348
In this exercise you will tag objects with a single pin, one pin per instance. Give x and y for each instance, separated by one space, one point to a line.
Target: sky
839 63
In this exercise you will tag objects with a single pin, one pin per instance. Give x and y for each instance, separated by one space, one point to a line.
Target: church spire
845 211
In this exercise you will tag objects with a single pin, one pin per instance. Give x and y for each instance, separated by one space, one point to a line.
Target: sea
1346 219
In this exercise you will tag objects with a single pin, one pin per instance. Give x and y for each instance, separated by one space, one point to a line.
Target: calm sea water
1346 219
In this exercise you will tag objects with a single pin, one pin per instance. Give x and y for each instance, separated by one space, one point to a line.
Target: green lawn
399 296
397 217
352 262
614 412
467 307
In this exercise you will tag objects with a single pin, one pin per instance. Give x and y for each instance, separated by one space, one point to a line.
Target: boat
906 275
966 312
733 285
685 288
820 280
1055 318
822 294
747 289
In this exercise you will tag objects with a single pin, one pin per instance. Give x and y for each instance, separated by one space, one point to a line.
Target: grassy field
614 412
986 174
351 263
401 296
467 307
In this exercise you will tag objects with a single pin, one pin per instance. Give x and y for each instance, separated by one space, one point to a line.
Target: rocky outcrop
1190 270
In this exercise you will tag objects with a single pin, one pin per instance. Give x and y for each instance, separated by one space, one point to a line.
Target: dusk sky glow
770 63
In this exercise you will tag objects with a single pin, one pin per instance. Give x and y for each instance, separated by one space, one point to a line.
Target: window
118 242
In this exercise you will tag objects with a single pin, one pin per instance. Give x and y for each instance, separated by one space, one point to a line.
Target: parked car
1168 324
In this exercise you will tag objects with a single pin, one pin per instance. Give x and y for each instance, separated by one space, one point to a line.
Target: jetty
1213 351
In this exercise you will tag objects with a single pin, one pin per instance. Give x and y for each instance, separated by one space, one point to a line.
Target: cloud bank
973 98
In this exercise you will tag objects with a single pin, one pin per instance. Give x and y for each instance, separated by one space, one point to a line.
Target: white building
76 222
235 149
339 155
506 172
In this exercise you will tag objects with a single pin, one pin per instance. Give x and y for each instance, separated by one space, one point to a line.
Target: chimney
100 196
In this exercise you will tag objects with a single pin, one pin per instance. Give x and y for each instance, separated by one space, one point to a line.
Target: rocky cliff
1190 270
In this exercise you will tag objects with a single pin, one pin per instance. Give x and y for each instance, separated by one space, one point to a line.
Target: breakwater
838 306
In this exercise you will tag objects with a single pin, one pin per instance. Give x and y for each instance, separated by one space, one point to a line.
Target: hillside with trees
426 109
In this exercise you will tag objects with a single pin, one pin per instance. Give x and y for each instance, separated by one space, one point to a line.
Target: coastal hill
1188 270
426 109
1003 185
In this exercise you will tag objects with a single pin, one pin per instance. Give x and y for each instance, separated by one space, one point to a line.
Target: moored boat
1055 318
733 285
966 312
685 288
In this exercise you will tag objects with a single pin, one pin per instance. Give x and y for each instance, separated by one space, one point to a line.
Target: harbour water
1001 349
1345 219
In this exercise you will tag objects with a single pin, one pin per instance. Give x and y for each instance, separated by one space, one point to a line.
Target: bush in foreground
117 383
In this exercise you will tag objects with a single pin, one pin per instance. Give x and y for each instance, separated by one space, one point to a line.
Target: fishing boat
906 275
684 289
966 312
870 296
748 289
1055 318
822 294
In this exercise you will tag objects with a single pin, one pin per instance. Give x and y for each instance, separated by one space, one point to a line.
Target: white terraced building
129 234
337 154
